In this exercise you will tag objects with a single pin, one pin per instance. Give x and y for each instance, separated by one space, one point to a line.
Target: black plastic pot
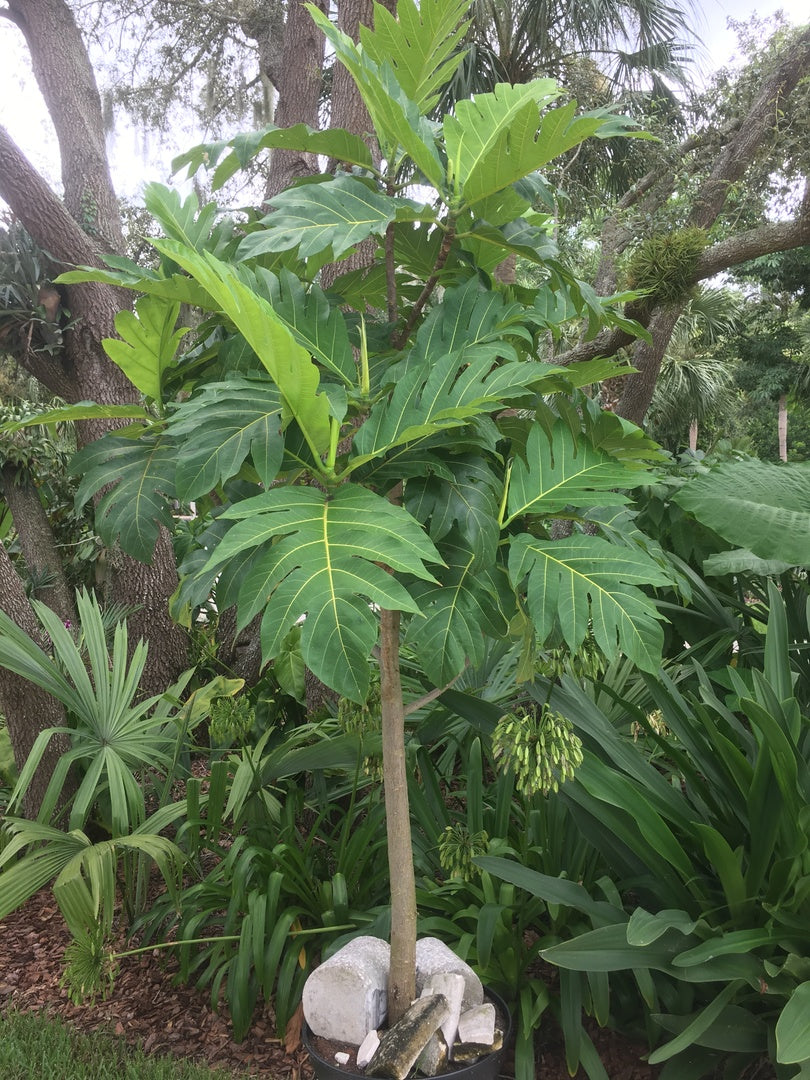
487 1068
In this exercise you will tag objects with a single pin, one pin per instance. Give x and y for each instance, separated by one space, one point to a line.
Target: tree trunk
37 543
401 976
782 427
693 435
67 82
27 709
647 358
78 231
299 83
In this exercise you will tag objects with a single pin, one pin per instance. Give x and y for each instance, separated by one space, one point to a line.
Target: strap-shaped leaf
763 507
289 364
220 428
586 583
319 556
563 473
421 42
149 344
467 500
141 472
336 213
459 614
433 396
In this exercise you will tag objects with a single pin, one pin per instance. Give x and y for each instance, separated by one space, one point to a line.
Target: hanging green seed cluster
365 719
90 968
231 721
457 849
542 749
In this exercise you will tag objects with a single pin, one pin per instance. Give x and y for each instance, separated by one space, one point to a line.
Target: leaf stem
444 251
426 699
502 508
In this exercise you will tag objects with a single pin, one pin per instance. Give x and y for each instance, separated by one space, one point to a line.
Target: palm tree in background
517 40
696 377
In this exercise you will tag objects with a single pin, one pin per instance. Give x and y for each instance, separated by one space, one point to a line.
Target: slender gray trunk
401 978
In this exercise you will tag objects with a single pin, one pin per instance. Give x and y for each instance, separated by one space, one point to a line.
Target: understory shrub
708 911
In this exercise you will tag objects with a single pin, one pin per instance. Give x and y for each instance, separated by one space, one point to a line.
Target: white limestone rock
433 957
434 1057
346 996
477 1025
452 985
367 1049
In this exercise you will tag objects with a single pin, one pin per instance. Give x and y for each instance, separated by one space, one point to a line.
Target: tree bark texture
299 83
782 426
37 543
77 232
66 79
401 984
27 709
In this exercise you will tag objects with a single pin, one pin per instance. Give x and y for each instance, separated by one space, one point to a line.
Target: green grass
37 1048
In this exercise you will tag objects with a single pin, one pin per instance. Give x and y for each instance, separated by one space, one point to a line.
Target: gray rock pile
345 1000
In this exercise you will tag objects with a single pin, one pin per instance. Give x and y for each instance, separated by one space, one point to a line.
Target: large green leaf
474 319
467 498
289 364
319 560
563 473
793 1027
150 341
496 139
422 43
181 220
314 322
398 122
754 504
434 396
460 613
336 213
83 410
500 125
141 473
585 583
223 425
331 142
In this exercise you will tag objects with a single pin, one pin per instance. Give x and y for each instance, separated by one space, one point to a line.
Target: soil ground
147 1007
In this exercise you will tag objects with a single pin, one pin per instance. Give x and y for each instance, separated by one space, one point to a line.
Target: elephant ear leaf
139 473
318 561
762 507
585 584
